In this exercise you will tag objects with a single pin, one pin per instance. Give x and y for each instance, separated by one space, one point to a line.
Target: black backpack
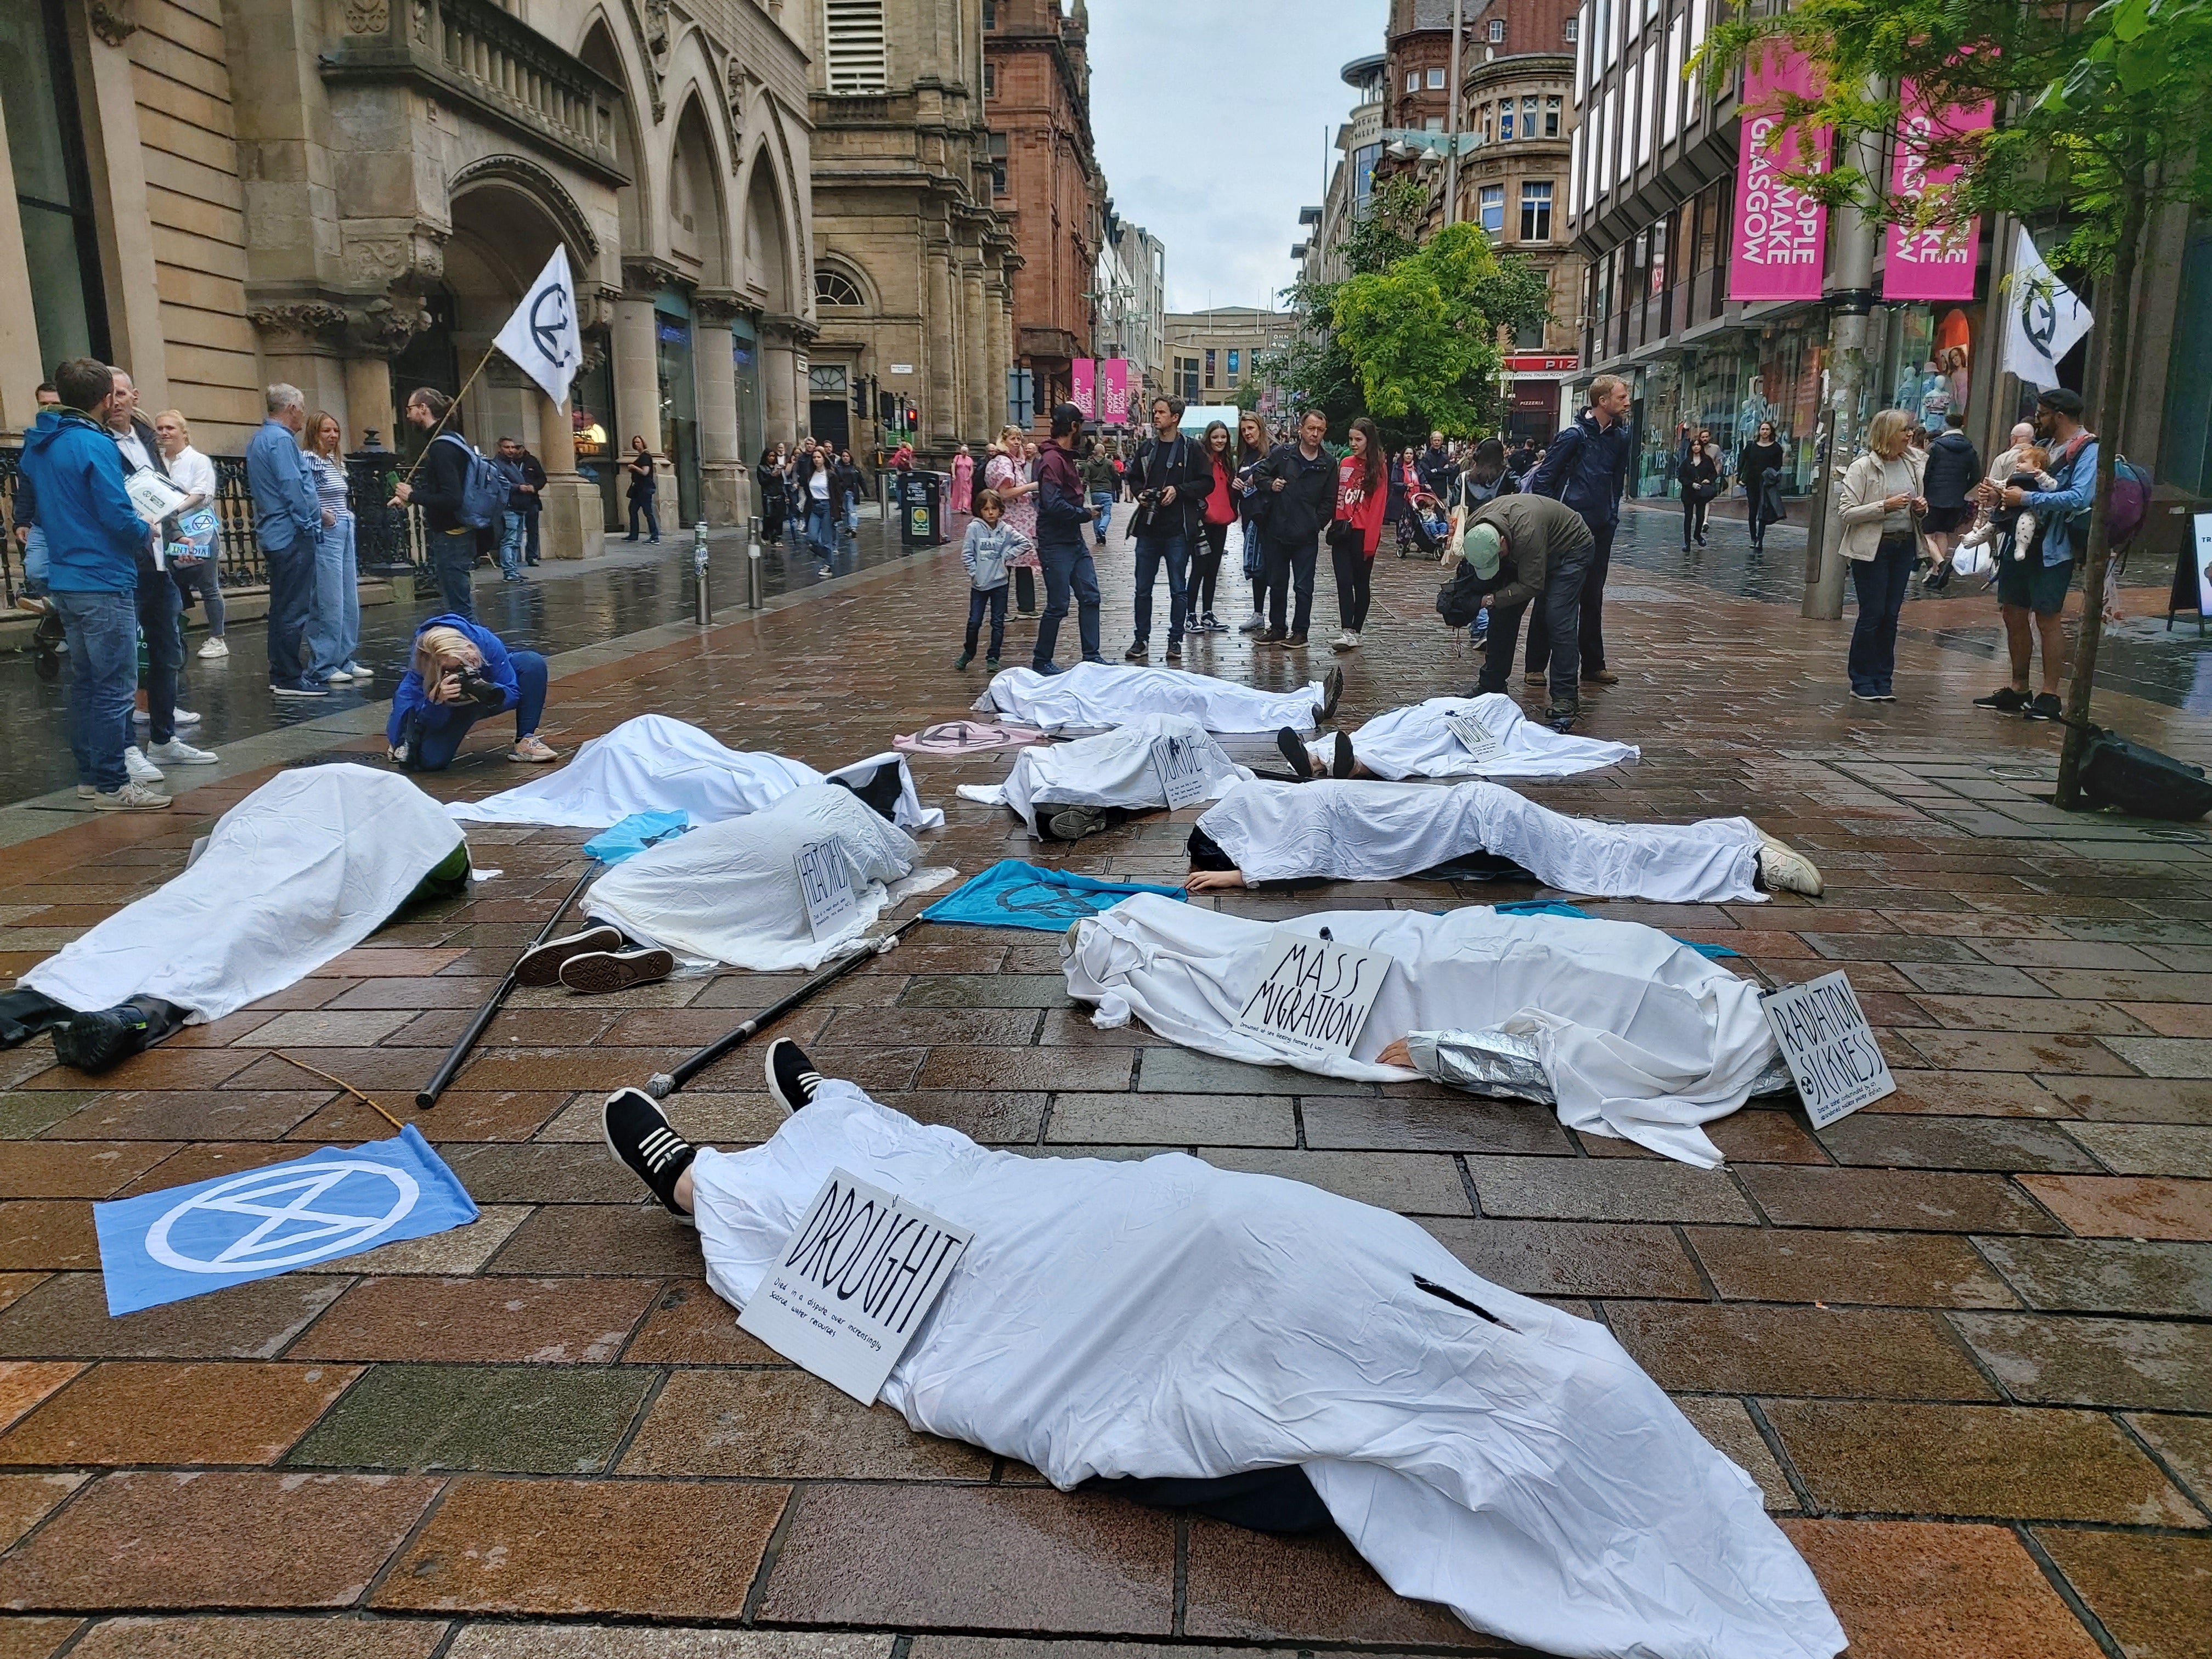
2141 781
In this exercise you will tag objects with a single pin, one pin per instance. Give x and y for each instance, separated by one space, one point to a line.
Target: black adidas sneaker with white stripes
792 1077
639 1136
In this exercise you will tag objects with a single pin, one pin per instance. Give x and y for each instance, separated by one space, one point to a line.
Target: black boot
95 1042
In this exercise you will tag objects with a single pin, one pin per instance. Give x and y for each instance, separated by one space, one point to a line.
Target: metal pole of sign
753 564
702 600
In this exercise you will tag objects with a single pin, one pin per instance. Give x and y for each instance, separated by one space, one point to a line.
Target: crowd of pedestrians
812 490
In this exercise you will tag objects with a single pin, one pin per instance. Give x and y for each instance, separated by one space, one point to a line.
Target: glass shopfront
591 410
745 359
1926 362
679 398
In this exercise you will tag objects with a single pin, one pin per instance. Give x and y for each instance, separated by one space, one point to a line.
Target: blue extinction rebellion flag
186 1240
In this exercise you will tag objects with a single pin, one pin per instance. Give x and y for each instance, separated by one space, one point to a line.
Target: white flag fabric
542 336
2044 319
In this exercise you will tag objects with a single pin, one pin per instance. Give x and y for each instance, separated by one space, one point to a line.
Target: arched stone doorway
773 283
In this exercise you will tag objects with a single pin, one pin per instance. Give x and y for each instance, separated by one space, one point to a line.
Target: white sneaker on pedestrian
358 671
1257 623
86 791
141 769
130 798
214 646
177 717
337 677
178 752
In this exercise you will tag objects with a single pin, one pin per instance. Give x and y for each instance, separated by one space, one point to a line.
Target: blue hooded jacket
92 531
412 697
1587 469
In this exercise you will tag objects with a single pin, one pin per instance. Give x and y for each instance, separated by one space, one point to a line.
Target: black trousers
1291 566
1591 629
1206 567
1693 518
1355 581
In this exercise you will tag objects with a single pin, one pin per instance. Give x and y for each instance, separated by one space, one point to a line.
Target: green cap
1480 547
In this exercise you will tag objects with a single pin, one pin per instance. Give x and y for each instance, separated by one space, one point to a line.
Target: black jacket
1697 468
1183 464
1436 470
1954 468
533 474
1307 501
440 480
1587 467
844 484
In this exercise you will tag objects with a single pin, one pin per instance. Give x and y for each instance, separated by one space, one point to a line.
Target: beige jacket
1859 498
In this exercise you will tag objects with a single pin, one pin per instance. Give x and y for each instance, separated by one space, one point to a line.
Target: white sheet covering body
1642 1038
1113 768
305 867
730 892
1415 743
1096 695
1167 1319
1355 830
653 763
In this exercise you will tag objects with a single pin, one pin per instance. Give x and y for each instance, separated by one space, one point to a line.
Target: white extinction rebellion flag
2044 318
542 336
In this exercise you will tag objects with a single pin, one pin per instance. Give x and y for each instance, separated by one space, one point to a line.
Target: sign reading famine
1830 1047
1314 994
853 1283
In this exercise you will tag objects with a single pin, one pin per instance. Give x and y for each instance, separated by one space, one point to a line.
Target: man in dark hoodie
1954 468
1061 515
1586 468
1300 479
93 535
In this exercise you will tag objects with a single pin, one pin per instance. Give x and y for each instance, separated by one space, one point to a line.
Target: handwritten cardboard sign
1829 1046
825 881
1314 995
853 1283
1478 739
1181 763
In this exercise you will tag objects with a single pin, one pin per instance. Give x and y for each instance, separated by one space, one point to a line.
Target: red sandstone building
1036 90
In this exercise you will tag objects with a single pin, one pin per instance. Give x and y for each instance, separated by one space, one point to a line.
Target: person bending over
461 673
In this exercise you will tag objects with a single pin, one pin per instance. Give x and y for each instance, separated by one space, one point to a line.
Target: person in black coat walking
1698 472
1759 470
1953 470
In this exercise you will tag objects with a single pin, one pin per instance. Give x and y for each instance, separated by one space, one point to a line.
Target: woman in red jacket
1363 496
1220 512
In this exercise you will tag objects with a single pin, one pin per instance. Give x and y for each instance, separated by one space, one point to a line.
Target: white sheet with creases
1095 695
1415 743
1166 1319
1113 768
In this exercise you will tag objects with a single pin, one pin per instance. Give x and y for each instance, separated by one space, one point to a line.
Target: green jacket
1098 473
1539 533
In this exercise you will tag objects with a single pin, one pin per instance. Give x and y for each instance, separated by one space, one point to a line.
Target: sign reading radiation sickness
1478 739
1314 994
1829 1046
825 881
1181 766
853 1283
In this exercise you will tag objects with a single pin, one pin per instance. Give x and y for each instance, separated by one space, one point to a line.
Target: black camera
476 688
1148 498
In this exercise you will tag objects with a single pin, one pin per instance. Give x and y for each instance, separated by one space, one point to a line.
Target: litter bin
921 509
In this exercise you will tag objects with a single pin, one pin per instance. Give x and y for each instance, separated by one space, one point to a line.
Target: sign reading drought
1478 739
854 1283
1829 1046
1314 994
1181 765
825 880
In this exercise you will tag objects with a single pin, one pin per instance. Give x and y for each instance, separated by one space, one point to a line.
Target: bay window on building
1536 211
1492 209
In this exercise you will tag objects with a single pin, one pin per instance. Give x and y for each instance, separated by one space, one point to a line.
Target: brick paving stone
329 1028
2127 1206
1023 1068
1908 1199
47 1233
2133 1100
2158 1056
786 1425
539 1174
1969 1094
461 1114
1244 1587
1726 1426
599 1239
1907 1270
82 1168
289 1637
991 1118
35 1638
2152 1595
659 1549
1030 1560
987 991
27 1499
630 1642
533 1321
2185 1446
204 1160
519 1419
29 1112
2107 1275
463 1249
1464 1123
2152 1149
1594 1190
706 1120
68 1315
2030 1013
1565 1257
2018 1051
24 1383
192 1114
1863 1353
2070 1360
147 1411
1173 1120
1912 1589
1412 1183
2016 1462
1895 1141
1185 1071
214 1539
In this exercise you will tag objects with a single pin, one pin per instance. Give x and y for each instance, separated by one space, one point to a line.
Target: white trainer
130 798
1784 869
177 717
214 646
141 769
178 752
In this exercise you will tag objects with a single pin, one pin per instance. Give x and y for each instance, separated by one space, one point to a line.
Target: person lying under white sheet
1636 1034
1343 831
1182 1334
1418 742
1070 790
1096 695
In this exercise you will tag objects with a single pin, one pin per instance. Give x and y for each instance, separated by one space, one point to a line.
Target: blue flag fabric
639 831
1012 894
186 1240
1560 908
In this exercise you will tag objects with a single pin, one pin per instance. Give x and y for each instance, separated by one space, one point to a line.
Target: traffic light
913 418
887 408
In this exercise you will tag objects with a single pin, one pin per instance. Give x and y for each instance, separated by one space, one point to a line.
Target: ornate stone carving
112 21
552 195
297 325
383 327
367 16
652 49
717 307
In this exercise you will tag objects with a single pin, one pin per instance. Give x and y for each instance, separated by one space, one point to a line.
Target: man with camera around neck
1171 478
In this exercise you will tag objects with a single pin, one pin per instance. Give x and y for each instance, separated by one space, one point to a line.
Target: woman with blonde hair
1880 502
458 674
334 609
1013 479
192 553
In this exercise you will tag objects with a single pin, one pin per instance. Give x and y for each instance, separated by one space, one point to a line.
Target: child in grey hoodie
990 544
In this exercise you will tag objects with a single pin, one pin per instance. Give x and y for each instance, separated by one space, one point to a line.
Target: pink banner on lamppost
1114 404
1936 263
1083 386
1781 233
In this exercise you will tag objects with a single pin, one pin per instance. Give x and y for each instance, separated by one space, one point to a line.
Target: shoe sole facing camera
601 971
1293 750
1075 825
93 1042
541 965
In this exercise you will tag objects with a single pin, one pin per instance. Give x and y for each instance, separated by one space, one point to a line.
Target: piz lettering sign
1829 1048
1313 996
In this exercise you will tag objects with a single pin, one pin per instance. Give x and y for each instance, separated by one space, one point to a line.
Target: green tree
2099 125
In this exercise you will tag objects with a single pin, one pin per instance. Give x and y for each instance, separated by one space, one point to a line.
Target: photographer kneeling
460 674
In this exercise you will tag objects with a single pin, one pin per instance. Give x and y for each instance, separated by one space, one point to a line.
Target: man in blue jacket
1587 469
2032 590
288 522
92 534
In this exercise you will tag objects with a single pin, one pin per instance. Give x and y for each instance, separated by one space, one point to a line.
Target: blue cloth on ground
1012 894
1557 907
186 1240
634 833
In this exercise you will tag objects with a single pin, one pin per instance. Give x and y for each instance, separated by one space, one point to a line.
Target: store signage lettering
1931 262
1781 233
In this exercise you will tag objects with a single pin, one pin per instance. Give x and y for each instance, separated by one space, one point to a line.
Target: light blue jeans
510 543
334 611
1103 501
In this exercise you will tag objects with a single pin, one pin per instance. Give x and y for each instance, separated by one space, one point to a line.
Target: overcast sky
1214 119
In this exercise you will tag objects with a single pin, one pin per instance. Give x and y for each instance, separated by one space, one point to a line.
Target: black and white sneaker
791 1079
598 972
1342 762
638 1134
541 965
1074 822
1294 751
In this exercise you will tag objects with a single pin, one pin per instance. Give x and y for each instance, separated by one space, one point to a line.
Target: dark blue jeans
1173 551
431 748
291 589
161 611
102 629
454 560
994 599
1067 571
1880 583
1559 608
643 504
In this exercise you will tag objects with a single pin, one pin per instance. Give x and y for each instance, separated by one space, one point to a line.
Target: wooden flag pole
444 418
